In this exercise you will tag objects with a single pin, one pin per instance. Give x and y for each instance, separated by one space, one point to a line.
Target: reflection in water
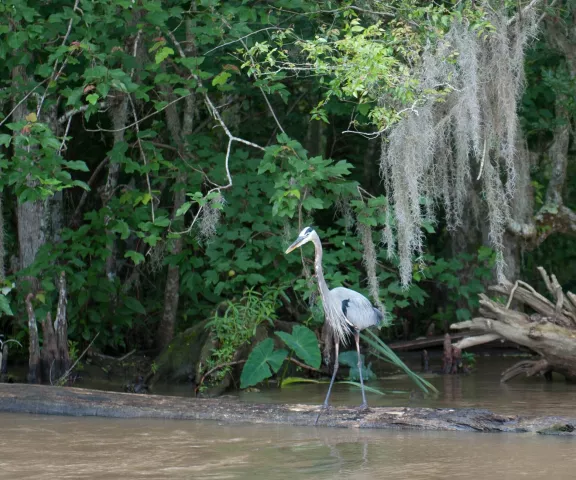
41 447
482 389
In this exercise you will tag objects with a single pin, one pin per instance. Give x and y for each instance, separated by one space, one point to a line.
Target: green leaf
221 79
192 62
163 54
162 221
366 387
76 165
122 228
257 367
290 380
136 257
311 203
5 305
304 343
384 352
5 139
183 208
92 98
134 305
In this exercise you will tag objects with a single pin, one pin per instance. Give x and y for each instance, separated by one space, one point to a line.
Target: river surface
44 447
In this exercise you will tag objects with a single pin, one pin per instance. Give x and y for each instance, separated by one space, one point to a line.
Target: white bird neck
322 285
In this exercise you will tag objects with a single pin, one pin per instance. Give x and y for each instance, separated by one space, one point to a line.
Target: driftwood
550 331
420 343
48 400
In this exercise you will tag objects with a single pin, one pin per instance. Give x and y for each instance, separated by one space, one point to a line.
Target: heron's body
357 309
346 311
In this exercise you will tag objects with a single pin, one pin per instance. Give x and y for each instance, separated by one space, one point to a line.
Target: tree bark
34 344
53 361
33 217
550 332
180 129
119 115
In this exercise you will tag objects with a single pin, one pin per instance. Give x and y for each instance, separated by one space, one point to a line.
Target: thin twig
63 378
303 365
523 11
55 74
241 39
231 138
212 370
84 196
512 292
63 144
83 108
22 101
126 127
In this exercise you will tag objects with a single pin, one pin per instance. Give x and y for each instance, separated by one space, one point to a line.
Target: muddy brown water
44 447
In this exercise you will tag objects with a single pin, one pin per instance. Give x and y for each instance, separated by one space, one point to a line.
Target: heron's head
304 236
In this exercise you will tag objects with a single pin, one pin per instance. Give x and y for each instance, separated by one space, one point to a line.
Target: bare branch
56 74
63 144
70 113
83 198
241 39
231 138
477 340
523 11
22 101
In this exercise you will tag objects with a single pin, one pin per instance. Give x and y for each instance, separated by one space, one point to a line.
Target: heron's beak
295 245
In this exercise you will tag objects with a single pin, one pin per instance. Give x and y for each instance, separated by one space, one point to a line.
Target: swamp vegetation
156 158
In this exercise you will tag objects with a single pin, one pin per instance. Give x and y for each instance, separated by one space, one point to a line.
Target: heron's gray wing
357 309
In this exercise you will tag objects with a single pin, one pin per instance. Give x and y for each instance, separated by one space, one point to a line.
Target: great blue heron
346 311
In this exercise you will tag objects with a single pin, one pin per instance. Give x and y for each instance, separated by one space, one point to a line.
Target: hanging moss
465 129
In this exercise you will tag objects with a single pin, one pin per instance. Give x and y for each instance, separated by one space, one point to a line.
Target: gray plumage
346 311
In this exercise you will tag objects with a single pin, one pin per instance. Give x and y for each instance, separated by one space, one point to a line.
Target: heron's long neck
318 268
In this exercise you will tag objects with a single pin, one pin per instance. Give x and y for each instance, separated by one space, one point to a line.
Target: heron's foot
363 407
325 408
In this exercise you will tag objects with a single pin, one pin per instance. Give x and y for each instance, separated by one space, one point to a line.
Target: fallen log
48 400
550 331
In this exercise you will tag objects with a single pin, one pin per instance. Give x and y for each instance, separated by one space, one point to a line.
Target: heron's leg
357 338
325 405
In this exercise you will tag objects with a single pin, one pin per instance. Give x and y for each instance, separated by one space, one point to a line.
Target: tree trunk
34 373
550 332
53 361
32 216
119 116
180 129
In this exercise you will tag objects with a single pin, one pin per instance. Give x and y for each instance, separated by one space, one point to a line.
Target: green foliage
385 353
350 359
303 183
304 344
73 68
237 326
4 301
263 361
469 359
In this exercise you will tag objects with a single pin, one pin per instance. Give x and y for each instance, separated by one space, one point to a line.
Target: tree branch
477 340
